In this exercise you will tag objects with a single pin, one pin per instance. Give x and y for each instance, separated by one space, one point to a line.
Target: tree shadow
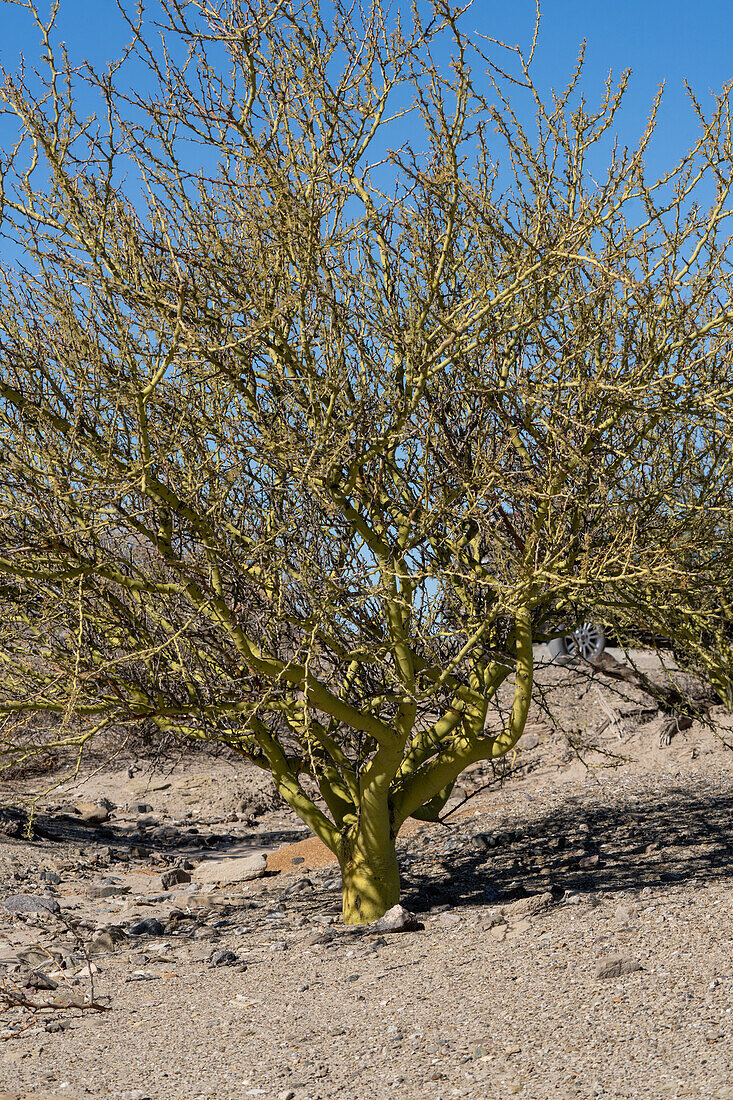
680 837
16 823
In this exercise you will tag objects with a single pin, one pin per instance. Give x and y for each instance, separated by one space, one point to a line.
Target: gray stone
616 966
34 956
30 903
324 918
38 980
449 920
150 926
58 956
396 919
574 897
138 958
298 887
174 877
224 958
91 812
525 907
107 940
494 920
243 869
315 938
106 889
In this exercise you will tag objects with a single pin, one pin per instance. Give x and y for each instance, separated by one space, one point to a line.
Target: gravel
538 971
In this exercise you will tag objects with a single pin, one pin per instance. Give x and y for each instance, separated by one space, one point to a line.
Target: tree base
371 886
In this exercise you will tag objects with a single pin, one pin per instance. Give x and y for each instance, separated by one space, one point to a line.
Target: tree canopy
330 381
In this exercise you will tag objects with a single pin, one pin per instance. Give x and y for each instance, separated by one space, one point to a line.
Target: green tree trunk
371 880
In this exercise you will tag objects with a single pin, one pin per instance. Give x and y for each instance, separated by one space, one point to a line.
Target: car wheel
587 641
558 651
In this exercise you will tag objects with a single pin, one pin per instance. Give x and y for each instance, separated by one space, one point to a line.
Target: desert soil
576 930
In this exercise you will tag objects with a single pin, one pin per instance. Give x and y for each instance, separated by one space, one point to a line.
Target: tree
307 437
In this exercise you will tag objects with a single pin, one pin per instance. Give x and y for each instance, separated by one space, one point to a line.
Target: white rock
396 919
86 971
242 869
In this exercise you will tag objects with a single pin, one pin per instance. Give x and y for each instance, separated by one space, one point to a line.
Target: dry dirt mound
304 855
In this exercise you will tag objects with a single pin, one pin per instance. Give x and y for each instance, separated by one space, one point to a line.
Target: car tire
558 651
588 640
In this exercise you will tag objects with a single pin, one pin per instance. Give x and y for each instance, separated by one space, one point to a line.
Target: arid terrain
575 933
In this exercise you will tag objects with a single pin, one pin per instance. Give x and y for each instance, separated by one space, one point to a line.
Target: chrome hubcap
586 641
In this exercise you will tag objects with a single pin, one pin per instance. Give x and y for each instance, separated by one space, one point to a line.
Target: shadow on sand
68 829
681 837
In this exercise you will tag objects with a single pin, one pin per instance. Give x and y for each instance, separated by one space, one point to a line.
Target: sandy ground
577 933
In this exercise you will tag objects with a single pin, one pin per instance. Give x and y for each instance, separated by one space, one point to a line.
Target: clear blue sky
658 39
